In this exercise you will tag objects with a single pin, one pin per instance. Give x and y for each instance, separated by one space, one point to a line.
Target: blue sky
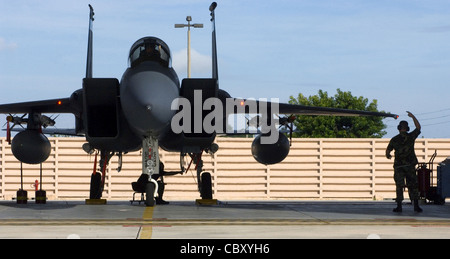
395 51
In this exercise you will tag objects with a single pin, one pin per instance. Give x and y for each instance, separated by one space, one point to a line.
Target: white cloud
200 63
5 45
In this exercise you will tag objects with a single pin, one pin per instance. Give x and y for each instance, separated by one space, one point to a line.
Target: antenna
89 48
215 74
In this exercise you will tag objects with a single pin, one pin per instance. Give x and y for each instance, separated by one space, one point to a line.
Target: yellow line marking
146 232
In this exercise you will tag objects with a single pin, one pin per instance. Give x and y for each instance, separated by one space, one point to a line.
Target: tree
338 126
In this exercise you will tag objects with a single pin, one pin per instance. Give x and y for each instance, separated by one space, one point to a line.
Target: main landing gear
204 179
98 177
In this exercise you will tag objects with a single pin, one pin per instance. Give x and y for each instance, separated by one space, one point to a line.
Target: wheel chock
95 201
206 202
41 197
22 197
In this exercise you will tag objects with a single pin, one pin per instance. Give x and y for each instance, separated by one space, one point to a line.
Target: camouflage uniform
404 164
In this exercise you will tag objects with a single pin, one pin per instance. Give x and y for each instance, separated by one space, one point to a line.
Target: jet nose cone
146 98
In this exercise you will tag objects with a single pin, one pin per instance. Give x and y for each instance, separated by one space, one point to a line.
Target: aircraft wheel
150 195
96 181
206 192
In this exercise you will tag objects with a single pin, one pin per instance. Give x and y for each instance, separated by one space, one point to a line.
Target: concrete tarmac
227 220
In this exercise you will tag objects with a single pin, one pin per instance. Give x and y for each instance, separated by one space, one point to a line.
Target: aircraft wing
312 110
45 106
284 108
63 105
53 131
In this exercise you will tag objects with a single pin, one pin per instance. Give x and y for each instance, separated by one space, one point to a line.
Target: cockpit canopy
149 49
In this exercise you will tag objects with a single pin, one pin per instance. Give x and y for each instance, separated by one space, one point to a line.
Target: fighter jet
150 109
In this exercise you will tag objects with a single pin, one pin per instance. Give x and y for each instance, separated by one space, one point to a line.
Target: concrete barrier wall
315 169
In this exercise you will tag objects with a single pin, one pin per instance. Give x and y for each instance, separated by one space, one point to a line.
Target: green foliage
338 126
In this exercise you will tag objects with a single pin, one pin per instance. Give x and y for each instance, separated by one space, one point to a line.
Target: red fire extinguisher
36 185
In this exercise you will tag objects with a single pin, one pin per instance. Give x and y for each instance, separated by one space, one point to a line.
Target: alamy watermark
215 120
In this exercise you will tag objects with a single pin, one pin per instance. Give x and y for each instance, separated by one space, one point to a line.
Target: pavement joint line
149 222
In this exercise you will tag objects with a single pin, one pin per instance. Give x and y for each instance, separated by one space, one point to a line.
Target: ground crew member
141 183
405 162
161 184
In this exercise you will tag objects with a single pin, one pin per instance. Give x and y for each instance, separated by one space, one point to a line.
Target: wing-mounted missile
288 122
254 121
15 120
42 120
47 121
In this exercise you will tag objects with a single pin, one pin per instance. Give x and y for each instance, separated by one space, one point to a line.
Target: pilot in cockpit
151 53
149 49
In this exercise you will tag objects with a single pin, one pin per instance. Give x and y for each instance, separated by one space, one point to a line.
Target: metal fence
315 169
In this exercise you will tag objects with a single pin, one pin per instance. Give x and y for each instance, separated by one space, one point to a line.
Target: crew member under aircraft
405 162
161 184
140 184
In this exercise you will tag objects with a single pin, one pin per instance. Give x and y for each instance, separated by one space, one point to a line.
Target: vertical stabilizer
215 74
89 48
